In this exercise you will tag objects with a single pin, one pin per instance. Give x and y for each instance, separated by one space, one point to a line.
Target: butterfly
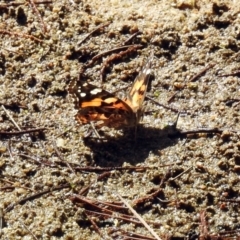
95 104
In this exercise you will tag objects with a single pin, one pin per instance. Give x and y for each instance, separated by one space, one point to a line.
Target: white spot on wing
96 91
147 71
83 94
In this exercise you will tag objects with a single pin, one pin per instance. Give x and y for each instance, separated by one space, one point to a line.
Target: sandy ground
190 174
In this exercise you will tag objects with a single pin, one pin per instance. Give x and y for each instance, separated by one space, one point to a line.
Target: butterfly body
97 105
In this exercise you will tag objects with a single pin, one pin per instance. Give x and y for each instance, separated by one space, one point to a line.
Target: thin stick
139 218
7 5
115 57
16 125
14 105
179 175
14 184
124 217
44 27
21 35
92 32
23 131
194 78
95 58
34 237
119 216
34 196
130 38
94 225
147 197
39 161
60 134
61 158
161 105
10 150
127 234
230 200
43 2
230 74
203 226
1 220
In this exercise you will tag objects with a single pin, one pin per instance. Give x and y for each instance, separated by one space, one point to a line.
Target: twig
123 217
62 133
203 226
102 209
230 233
90 202
194 78
154 194
179 175
43 1
139 217
34 237
84 190
61 158
128 235
36 160
94 225
23 131
15 185
100 169
10 150
161 105
114 57
7 5
36 195
92 32
13 105
21 35
130 38
118 216
1 220
237 74
16 125
147 197
44 27
230 200
95 58
172 97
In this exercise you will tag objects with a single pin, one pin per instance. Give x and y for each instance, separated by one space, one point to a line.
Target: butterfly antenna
176 121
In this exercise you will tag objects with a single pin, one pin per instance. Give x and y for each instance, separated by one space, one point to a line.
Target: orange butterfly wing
138 90
96 104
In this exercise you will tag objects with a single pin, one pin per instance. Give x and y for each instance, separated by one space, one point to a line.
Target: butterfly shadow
115 150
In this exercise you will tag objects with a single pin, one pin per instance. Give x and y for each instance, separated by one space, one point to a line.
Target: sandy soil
190 174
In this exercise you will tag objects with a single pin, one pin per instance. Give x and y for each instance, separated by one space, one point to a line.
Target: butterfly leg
95 130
